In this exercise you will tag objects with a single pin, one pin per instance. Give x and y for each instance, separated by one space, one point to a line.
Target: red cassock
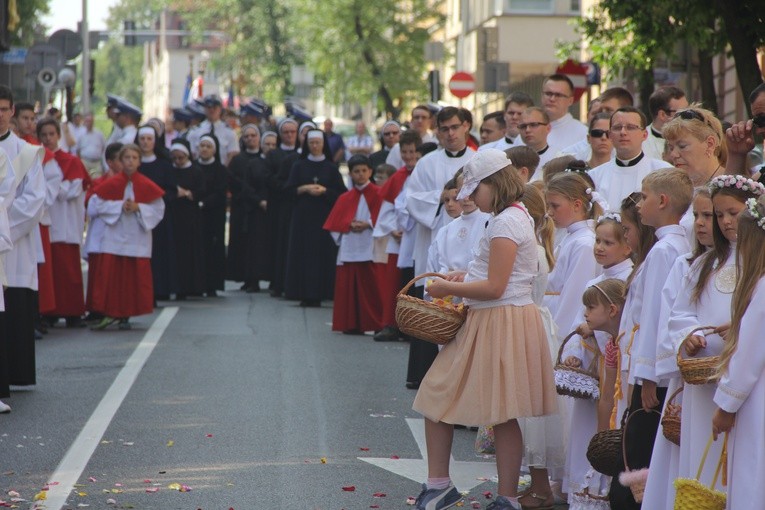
65 257
357 304
122 285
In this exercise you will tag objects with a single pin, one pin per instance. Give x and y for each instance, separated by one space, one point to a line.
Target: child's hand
584 330
693 344
573 362
722 421
456 276
438 288
723 331
397 234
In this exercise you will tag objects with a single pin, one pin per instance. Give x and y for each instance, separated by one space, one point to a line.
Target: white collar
207 161
362 187
311 157
617 268
285 147
566 118
149 159
577 226
669 230
252 151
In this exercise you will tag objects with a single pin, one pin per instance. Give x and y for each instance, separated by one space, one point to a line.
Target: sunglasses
598 133
759 120
690 115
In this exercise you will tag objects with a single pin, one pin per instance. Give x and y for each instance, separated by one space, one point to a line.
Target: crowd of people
601 249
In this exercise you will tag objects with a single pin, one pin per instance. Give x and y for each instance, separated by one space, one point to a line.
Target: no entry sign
462 84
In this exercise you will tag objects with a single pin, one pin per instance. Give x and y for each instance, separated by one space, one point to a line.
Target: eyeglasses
532 125
554 95
390 133
631 128
449 129
598 133
759 120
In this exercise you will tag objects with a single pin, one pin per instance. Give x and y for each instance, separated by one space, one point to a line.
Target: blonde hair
675 184
555 166
575 187
128 147
750 268
699 129
698 248
507 188
616 228
534 201
606 292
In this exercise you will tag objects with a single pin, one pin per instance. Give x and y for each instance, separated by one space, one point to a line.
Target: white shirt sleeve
149 215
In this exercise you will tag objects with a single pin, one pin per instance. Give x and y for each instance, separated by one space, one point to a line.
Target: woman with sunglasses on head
600 143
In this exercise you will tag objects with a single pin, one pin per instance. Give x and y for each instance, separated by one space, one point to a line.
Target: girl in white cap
498 368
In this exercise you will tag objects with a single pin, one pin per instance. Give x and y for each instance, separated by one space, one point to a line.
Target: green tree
359 49
29 28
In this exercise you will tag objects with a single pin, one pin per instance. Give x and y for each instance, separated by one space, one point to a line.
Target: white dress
741 390
583 419
544 438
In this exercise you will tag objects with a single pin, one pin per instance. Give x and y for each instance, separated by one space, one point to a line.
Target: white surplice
455 244
615 182
566 131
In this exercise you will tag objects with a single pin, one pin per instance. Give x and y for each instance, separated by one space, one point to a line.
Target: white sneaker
4 408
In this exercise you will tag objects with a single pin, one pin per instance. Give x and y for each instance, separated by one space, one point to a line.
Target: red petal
350 488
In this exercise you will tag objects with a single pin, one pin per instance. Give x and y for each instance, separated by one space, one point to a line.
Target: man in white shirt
515 104
535 132
663 104
557 98
624 173
91 146
128 117
360 143
228 143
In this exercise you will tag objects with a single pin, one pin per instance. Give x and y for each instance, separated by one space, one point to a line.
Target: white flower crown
751 205
614 216
737 182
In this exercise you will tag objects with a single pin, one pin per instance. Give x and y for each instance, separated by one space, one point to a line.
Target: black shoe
41 327
310 303
275 293
252 290
460 427
386 334
244 286
162 297
93 317
413 385
75 322
353 332
211 293
180 297
38 335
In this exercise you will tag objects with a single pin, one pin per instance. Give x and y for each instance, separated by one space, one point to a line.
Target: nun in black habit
186 218
156 166
212 203
249 257
315 183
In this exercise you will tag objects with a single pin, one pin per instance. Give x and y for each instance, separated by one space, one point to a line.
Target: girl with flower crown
741 388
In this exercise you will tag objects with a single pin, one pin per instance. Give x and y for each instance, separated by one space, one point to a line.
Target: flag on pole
187 90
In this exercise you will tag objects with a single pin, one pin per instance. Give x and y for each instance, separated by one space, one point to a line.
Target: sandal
539 502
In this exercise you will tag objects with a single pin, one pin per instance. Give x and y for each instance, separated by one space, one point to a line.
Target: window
576 6
530 6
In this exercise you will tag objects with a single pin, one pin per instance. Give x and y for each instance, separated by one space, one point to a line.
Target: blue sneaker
437 499
502 503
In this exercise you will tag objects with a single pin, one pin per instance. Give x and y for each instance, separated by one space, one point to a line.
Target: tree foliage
30 27
360 49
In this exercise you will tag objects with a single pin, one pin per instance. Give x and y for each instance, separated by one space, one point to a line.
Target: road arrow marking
465 475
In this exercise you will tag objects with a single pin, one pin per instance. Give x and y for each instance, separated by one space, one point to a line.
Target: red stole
34 141
72 168
344 211
394 185
144 189
93 185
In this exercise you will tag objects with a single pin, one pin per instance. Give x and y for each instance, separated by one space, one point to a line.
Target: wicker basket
636 479
604 453
691 494
670 420
584 500
697 370
575 382
427 321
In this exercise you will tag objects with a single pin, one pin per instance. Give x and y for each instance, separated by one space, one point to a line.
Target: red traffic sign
462 84
577 73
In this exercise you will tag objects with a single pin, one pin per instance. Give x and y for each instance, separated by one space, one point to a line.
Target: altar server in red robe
130 205
358 302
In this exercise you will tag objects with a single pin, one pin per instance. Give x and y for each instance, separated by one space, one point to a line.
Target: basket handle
676 393
700 328
413 280
720 463
563 345
624 432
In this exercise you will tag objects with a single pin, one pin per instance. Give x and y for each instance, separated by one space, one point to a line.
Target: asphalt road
248 401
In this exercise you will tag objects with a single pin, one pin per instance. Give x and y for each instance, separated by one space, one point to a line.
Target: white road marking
465 475
76 459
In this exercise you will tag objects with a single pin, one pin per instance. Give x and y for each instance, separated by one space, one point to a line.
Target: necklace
715 172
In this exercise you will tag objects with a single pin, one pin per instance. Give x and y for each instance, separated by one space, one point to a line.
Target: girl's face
206 149
409 155
703 216
146 143
468 205
483 196
631 233
562 210
130 161
609 249
727 209
597 316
